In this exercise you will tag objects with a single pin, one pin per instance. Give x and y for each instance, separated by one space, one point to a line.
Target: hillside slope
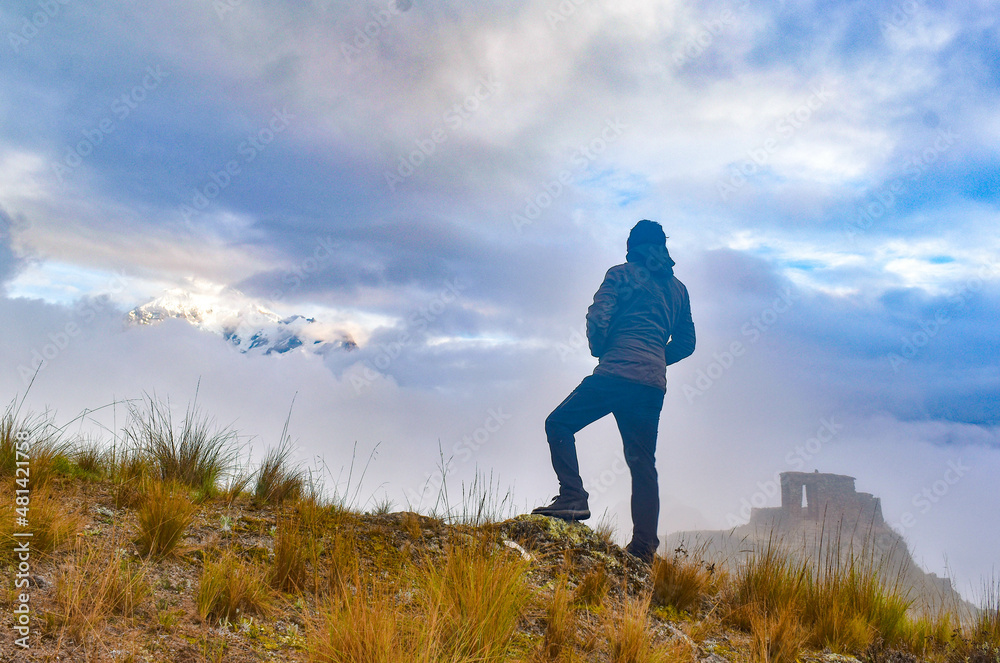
166 547
579 597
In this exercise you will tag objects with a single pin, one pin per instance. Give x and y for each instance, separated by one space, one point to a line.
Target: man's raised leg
585 405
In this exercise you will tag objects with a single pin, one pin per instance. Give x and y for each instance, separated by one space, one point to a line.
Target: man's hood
654 257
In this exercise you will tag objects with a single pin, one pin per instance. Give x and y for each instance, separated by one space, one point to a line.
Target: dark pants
637 410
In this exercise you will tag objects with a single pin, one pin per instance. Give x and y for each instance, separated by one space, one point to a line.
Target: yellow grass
681 582
288 573
472 601
463 606
231 588
163 516
629 635
390 587
560 623
93 585
361 627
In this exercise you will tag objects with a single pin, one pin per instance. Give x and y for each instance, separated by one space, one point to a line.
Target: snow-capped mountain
245 323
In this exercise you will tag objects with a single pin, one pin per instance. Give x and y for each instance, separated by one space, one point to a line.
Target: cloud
10 261
923 354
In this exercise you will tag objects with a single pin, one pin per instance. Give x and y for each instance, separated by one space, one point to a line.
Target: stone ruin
820 498
815 509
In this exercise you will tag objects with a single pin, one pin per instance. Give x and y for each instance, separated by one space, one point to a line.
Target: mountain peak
243 322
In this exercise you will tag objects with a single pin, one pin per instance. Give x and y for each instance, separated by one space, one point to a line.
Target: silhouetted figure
639 323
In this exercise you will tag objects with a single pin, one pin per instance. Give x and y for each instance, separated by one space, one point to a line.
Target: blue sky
827 174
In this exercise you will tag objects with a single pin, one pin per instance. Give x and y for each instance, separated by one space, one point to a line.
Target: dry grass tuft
605 529
53 523
362 627
930 633
560 623
776 637
986 629
131 474
197 454
629 636
767 581
230 588
852 601
463 607
980 641
593 588
681 582
288 573
163 516
846 603
277 480
472 601
341 563
34 440
94 585
90 458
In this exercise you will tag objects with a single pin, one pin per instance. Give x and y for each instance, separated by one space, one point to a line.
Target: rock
525 555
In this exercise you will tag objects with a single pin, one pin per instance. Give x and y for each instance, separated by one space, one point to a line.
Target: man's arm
681 343
600 312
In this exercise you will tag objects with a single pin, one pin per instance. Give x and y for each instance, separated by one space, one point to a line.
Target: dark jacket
640 321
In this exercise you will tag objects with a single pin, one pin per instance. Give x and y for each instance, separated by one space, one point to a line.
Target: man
639 323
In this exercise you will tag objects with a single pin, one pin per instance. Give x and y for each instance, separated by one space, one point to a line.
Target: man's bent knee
556 430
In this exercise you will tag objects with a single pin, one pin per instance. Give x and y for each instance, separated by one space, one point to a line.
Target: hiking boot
642 553
565 507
